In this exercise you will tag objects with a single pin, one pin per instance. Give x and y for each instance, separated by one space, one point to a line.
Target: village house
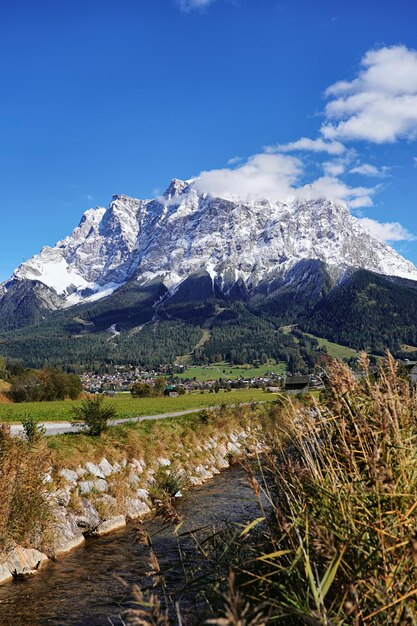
297 384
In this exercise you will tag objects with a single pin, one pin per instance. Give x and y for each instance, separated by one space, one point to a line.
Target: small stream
85 589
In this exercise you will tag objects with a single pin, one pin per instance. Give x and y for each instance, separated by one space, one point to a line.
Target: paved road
62 428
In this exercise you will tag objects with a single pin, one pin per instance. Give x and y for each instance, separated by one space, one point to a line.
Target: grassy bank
149 440
127 406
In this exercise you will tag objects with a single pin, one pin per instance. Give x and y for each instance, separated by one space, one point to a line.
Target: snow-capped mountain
184 232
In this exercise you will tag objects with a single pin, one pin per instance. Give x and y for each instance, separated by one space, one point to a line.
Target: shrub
167 485
33 431
94 414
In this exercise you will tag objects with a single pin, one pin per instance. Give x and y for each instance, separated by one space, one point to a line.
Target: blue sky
119 97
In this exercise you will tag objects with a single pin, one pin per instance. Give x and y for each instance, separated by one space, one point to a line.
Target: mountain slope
147 271
367 311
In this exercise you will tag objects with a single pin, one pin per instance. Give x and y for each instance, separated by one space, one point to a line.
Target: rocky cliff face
184 232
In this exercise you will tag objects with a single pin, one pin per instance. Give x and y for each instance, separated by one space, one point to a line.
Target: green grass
225 370
130 407
335 349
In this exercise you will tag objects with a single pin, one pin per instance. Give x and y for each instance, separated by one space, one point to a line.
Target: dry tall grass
24 509
341 543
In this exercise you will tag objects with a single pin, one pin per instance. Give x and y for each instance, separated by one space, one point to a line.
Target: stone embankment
97 498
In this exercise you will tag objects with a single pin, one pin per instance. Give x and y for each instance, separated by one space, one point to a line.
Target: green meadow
127 406
225 370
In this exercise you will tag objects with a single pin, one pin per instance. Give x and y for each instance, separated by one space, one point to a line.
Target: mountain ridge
183 232
142 278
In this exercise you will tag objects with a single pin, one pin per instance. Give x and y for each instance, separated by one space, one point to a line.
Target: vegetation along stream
86 588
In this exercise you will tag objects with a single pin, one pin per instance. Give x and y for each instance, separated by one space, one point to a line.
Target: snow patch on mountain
52 269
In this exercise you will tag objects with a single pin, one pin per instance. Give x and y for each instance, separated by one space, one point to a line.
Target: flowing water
85 588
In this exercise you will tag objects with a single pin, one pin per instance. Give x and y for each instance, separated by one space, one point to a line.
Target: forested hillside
367 311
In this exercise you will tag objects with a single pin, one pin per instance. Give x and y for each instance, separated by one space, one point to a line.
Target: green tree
160 384
142 390
94 414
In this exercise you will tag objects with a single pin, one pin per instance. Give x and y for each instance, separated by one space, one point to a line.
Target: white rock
21 561
136 508
66 533
143 494
62 496
134 479
98 485
85 486
69 475
203 472
88 519
222 463
233 448
94 469
195 481
162 462
137 466
106 467
221 450
110 524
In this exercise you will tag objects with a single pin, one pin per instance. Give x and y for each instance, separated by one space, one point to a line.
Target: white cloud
332 188
277 178
333 168
366 169
380 104
309 145
189 5
387 231
261 176
234 160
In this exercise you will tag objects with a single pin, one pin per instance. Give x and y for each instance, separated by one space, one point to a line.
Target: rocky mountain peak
176 188
187 232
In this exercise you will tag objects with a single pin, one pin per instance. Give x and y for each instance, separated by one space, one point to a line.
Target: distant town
122 379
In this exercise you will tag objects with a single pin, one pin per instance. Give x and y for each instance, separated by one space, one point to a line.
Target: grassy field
225 370
130 407
335 349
